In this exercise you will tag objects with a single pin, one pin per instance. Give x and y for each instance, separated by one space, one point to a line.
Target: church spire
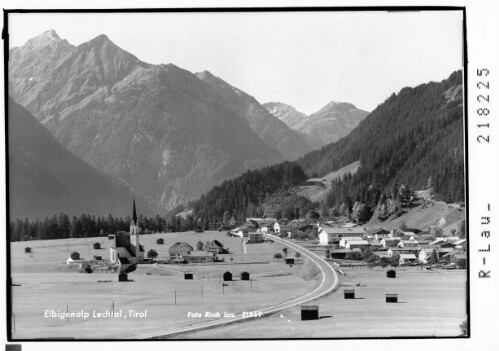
134 213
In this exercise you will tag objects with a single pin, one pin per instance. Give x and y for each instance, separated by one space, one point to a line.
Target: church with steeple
125 248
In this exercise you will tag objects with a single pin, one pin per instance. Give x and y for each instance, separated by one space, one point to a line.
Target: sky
305 59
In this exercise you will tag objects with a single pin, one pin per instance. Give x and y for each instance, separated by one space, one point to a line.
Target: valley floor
431 304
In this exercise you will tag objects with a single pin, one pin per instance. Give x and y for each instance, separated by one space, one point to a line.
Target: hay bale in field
27 249
160 241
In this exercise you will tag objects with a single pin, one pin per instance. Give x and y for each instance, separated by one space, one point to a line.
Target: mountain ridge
46 179
275 133
332 122
132 120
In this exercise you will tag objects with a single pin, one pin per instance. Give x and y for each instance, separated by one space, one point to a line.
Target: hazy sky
304 59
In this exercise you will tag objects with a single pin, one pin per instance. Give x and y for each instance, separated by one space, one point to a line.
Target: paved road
328 283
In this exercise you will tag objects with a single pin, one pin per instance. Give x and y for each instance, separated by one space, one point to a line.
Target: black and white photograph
238 174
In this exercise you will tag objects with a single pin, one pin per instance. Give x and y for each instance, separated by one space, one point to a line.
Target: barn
227 276
391 273
309 312
245 276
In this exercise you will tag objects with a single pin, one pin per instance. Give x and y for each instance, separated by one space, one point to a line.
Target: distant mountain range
46 179
274 132
329 124
163 131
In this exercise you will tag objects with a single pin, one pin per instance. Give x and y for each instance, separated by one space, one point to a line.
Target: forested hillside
414 138
243 196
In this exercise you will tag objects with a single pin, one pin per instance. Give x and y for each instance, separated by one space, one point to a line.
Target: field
431 303
44 282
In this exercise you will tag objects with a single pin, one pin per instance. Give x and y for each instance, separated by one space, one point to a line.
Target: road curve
328 283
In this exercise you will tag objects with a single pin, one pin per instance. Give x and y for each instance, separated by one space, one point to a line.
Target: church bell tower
134 235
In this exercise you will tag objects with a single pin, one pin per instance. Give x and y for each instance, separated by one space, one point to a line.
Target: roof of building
123 260
344 250
380 253
179 247
349 225
353 238
395 238
378 231
358 242
134 215
217 243
407 256
343 230
445 249
412 242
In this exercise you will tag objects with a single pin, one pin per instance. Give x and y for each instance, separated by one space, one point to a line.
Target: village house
390 242
459 259
379 233
442 251
375 245
381 254
179 251
424 255
329 236
200 257
282 226
406 259
409 235
341 253
241 232
254 238
215 247
407 243
357 244
406 250
343 241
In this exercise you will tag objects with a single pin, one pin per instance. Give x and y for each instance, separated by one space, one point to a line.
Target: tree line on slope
412 140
